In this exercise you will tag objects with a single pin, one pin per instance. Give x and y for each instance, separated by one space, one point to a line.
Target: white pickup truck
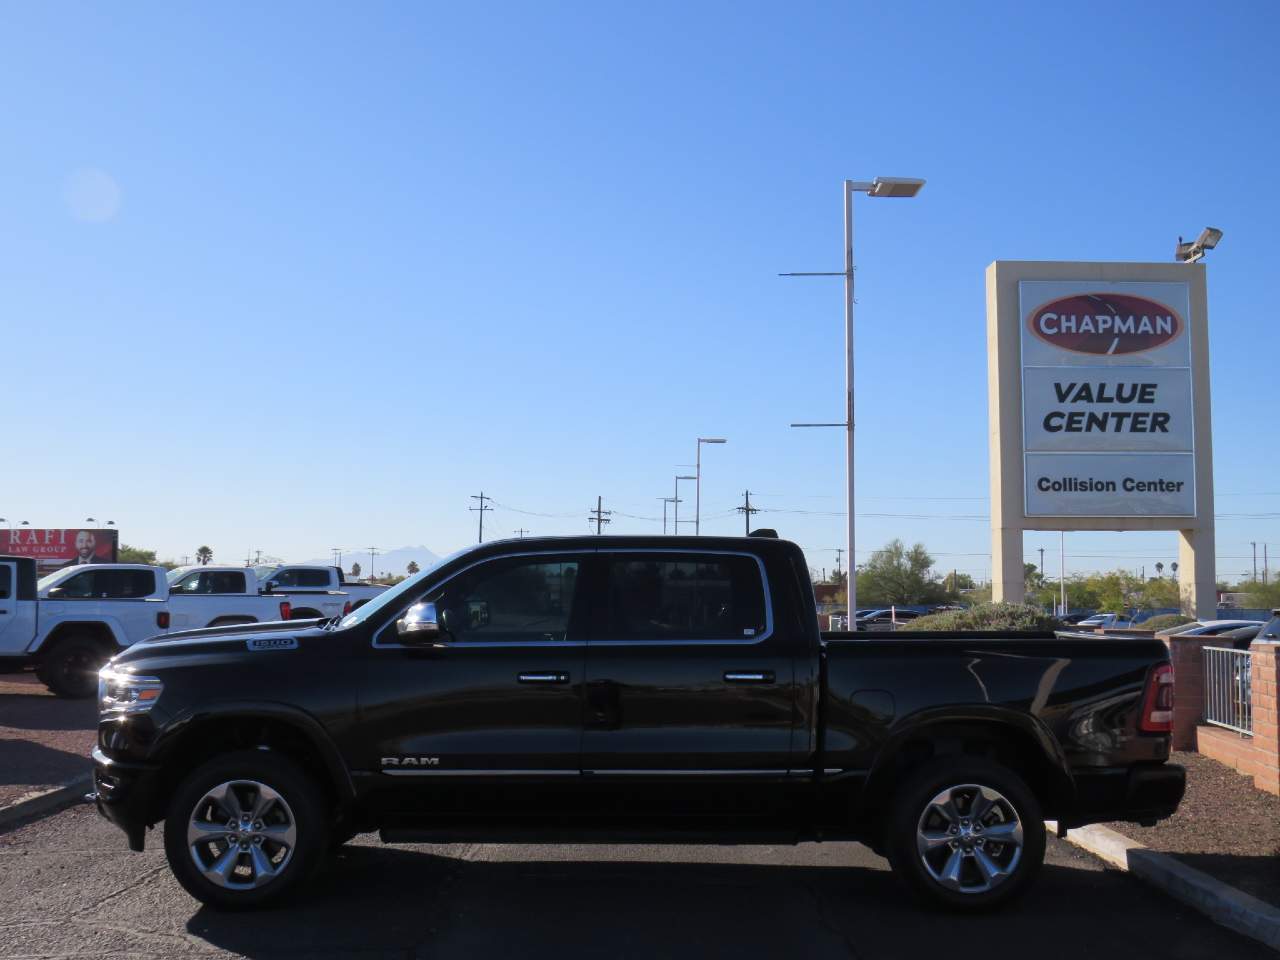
315 590
72 621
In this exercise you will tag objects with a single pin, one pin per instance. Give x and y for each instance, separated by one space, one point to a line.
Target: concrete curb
1222 903
41 802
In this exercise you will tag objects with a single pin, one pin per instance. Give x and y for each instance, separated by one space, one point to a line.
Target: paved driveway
68 887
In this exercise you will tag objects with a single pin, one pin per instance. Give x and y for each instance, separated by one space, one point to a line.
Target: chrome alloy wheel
969 838
241 834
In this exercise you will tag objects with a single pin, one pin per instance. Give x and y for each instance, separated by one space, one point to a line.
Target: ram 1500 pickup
621 689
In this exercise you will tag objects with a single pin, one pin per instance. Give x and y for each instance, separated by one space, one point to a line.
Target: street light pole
879 187
697 510
675 523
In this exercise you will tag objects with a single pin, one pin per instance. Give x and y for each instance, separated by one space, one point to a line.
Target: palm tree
203 555
412 568
1159 568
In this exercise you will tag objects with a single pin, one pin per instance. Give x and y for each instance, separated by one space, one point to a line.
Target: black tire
915 820
303 806
69 666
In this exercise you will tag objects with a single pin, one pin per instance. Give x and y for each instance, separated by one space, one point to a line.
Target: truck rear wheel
966 833
245 829
69 667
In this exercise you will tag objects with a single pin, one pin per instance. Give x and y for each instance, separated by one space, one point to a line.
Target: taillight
162 619
286 610
1157 702
346 608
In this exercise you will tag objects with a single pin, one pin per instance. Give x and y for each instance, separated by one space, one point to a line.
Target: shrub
1164 621
988 616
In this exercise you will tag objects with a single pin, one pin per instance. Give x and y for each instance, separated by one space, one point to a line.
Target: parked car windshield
393 595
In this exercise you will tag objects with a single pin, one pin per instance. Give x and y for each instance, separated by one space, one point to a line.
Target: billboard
56 548
1108 422
1098 402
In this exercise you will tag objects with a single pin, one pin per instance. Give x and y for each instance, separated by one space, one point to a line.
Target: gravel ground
1225 826
44 741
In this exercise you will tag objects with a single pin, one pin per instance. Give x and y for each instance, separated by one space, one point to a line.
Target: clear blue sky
367 260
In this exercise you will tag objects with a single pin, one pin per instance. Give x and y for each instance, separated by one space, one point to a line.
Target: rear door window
6 581
683 597
123 584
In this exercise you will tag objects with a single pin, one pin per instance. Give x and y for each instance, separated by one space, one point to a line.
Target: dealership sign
1108 413
55 548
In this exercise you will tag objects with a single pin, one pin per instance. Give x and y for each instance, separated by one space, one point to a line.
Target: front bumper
125 794
1142 794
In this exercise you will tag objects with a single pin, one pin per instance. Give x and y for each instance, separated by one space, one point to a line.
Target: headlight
126 693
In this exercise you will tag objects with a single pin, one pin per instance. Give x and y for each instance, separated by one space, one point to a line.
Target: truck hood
282 635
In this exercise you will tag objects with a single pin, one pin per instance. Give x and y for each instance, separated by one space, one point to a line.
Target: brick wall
1188 686
1265 671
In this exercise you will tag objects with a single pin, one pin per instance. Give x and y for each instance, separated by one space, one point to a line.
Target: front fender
177 731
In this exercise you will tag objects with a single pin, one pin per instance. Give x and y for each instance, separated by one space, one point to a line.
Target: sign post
1098 398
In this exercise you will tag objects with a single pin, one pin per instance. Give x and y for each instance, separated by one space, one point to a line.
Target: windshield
264 572
175 574
391 596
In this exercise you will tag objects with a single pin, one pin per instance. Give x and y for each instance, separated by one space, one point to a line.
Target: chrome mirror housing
419 622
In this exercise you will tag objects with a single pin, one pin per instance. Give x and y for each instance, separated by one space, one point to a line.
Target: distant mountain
392 561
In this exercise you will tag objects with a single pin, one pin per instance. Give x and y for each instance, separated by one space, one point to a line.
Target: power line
480 510
600 515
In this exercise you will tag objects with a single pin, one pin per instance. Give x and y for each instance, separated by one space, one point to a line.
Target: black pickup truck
620 689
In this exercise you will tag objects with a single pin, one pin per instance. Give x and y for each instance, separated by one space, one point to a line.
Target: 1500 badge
273 643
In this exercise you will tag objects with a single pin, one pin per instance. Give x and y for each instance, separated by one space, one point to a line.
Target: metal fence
1228 699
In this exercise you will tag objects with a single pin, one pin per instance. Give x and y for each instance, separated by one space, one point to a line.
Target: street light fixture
665 501
1194 251
675 523
697 510
892 187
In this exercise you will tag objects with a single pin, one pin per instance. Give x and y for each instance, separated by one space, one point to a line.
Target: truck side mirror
419 623
272 586
56 593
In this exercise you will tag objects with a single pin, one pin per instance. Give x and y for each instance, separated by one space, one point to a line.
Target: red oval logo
1105 323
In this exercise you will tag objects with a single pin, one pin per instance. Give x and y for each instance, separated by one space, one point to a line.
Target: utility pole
258 558
1062 570
1254 544
373 553
521 532
1042 563
480 510
746 510
600 515
1264 565
839 554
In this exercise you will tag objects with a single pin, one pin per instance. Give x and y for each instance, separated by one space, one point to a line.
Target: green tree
203 555
955 582
896 574
128 554
355 571
412 568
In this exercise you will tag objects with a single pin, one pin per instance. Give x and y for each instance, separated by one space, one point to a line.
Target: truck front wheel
69 667
966 833
245 829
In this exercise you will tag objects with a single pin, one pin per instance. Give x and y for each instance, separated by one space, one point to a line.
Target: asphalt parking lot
70 888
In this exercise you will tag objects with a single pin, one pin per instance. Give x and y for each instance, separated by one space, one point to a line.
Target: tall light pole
665 501
675 523
879 187
697 509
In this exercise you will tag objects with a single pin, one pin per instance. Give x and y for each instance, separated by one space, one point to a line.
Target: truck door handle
748 676
543 677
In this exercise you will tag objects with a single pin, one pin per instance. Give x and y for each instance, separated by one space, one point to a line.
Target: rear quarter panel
1080 697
